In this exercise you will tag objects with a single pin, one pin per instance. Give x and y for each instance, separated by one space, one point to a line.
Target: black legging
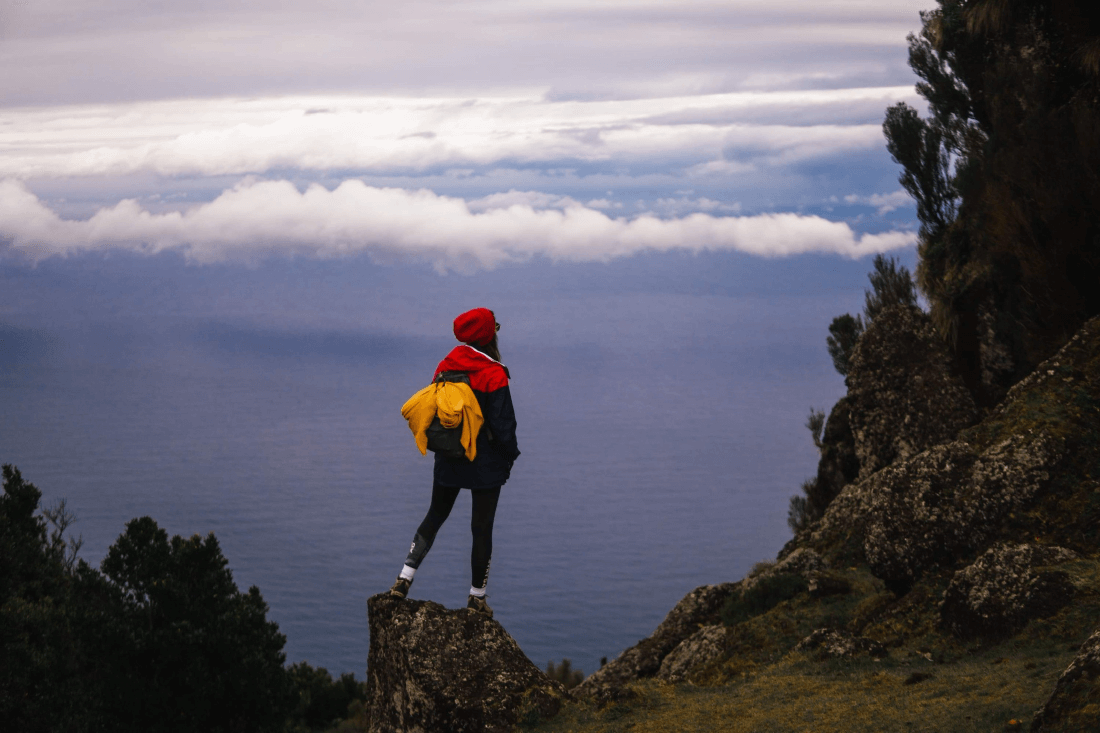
481 524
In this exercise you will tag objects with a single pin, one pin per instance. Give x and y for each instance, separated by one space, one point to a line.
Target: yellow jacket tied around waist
454 403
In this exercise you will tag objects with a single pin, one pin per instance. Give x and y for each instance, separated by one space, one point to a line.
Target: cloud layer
258 219
66 51
699 135
462 134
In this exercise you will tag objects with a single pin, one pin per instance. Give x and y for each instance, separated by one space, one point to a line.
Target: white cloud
883 202
708 134
684 204
531 199
258 219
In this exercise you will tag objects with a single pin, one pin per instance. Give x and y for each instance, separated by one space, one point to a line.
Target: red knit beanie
476 327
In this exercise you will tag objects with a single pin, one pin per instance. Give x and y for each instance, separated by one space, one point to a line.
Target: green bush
800 512
766 594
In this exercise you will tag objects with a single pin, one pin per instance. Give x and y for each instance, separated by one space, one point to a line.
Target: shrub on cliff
891 284
837 467
844 332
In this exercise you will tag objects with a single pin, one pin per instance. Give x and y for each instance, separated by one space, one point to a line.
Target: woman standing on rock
497 450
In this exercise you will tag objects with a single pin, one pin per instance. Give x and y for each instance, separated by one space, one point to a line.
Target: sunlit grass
982 692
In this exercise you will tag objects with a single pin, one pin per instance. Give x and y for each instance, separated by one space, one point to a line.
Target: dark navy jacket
497 448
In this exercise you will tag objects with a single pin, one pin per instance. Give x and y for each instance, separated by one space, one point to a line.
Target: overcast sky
462 134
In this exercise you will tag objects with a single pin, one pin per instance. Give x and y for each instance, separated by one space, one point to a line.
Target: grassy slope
930 681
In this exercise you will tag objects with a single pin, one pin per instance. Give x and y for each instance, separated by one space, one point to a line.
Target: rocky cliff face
943 502
904 395
953 532
956 497
433 670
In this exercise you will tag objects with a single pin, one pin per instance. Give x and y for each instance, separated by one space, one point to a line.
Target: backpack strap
453 377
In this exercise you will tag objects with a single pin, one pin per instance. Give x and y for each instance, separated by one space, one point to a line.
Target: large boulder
1007 586
1074 705
941 503
696 609
431 669
704 646
904 393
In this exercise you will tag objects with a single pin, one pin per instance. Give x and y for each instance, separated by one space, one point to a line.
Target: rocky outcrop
837 644
704 646
1073 366
904 394
432 669
941 503
1072 706
698 608
708 643
1005 588
803 561
953 498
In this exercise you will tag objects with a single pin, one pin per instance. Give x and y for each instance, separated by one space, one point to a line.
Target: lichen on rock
904 393
1004 589
940 503
433 669
839 644
803 561
698 608
704 646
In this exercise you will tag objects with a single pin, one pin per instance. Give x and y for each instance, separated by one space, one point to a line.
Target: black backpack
447 441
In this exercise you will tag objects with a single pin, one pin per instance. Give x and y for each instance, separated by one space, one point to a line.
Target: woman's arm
501 418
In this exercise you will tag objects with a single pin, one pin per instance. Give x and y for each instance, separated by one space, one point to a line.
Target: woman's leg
443 499
481 524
